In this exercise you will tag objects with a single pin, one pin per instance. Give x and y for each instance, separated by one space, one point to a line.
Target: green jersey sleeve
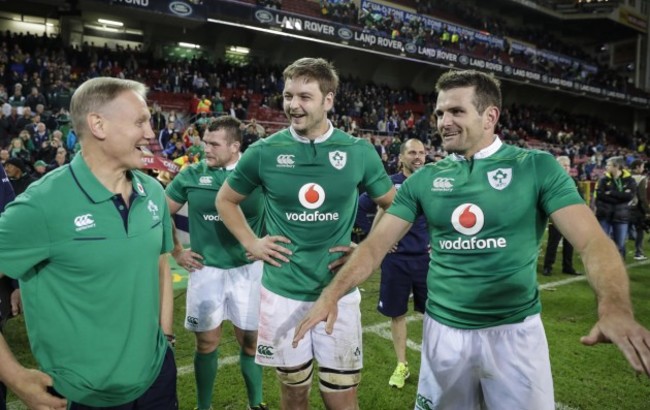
557 189
405 205
246 176
375 179
24 236
176 189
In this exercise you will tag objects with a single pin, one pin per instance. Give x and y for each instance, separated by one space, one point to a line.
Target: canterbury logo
265 350
443 184
84 222
191 320
205 180
285 161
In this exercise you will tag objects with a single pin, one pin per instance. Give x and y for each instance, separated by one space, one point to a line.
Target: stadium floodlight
111 22
240 50
188 45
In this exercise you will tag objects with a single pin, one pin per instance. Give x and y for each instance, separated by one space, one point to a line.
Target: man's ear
96 124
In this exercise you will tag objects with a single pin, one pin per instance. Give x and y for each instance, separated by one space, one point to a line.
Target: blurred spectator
40 168
60 159
35 98
158 120
17 99
613 193
18 174
166 134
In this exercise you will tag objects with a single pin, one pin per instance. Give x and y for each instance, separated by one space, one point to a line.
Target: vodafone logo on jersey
468 219
311 196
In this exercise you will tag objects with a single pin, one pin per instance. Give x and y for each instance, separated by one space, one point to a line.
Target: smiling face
463 129
124 128
412 156
306 107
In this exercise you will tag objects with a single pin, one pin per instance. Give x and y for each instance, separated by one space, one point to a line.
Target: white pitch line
551 285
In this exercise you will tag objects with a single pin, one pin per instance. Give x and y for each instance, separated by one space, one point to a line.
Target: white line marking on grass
584 277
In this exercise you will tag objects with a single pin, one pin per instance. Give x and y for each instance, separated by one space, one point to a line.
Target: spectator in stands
25 119
18 174
639 208
158 120
176 149
60 159
614 191
40 134
17 99
251 134
35 98
189 134
18 149
4 156
166 134
40 169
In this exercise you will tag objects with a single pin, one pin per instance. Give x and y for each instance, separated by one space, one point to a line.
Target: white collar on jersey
233 165
485 152
320 139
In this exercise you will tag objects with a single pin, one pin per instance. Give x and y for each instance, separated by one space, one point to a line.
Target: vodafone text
312 216
473 243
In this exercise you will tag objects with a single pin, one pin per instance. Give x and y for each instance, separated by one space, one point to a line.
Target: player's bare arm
186 258
609 280
166 294
268 248
364 260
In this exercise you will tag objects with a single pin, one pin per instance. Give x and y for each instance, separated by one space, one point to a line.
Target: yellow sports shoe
399 376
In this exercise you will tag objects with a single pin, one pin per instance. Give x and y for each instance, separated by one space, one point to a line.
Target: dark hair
487 89
229 124
314 69
636 163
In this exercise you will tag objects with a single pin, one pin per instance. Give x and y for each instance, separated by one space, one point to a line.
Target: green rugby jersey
198 185
486 217
310 196
89 283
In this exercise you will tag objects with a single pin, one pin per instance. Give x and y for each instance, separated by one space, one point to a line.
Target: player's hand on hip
347 251
323 309
270 250
630 337
189 260
31 387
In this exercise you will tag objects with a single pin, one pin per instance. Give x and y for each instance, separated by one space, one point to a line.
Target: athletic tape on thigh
331 381
296 377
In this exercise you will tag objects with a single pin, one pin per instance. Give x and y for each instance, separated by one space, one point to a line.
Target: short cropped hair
618 162
96 93
231 125
487 88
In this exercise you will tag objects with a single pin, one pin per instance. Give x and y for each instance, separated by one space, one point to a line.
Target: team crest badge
500 178
338 159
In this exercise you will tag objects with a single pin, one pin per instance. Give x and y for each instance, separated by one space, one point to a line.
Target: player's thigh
448 376
279 317
341 350
205 299
517 361
242 295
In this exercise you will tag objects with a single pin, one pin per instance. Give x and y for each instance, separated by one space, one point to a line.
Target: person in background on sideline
404 269
554 236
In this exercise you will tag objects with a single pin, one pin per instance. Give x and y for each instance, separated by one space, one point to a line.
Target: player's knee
297 377
333 381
